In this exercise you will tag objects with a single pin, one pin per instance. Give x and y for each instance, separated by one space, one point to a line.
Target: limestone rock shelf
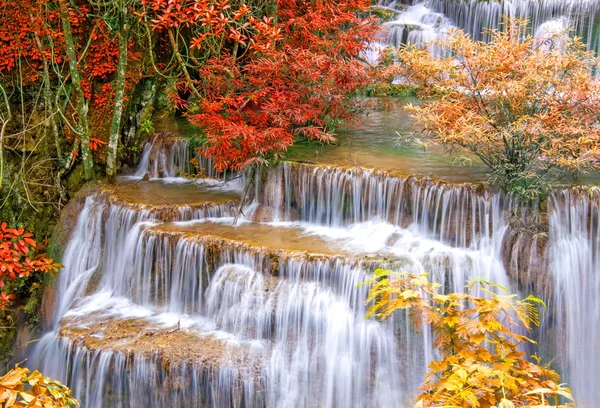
132 362
157 193
258 236
174 201
143 338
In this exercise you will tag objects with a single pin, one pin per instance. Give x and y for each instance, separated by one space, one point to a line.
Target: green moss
389 90
383 14
75 179
137 120
8 334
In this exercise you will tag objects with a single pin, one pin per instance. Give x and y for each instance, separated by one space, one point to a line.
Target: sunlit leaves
525 111
478 338
22 388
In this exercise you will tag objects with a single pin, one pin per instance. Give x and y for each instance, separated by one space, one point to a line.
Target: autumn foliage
261 80
22 388
19 259
254 74
476 334
527 109
300 85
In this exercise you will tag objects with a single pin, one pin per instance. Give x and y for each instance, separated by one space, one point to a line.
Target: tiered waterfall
164 302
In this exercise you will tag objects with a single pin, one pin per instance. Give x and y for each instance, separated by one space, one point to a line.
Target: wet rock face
143 339
525 258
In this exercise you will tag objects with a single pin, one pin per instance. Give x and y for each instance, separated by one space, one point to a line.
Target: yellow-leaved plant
475 333
22 388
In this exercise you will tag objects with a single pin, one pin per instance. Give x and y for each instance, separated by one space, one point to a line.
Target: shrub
20 388
19 258
480 363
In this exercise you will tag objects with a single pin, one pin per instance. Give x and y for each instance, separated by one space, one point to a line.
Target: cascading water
164 303
458 214
301 324
417 25
427 20
552 34
575 268
165 156
168 156
261 314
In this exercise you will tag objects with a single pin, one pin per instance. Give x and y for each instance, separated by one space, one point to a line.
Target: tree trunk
113 141
4 123
81 103
182 65
50 111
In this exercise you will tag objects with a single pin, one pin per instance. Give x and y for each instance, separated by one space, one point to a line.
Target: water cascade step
164 302
176 201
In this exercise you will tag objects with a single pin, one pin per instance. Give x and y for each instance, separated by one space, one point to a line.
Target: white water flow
200 313
170 156
313 342
418 25
165 156
575 267
418 21
461 215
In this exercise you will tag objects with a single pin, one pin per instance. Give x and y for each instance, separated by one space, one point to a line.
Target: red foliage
293 85
253 82
26 21
19 258
267 82
95 143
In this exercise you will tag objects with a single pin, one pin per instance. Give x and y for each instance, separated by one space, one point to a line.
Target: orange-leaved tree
20 388
529 109
20 258
480 363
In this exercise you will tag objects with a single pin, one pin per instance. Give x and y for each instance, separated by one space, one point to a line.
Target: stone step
279 240
170 265
139 362
174 201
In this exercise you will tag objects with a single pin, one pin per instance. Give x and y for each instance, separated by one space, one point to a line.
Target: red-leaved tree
301 85
260 77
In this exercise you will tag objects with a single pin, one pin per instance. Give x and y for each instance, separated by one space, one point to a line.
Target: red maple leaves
255 78
19 258
267 81
296 84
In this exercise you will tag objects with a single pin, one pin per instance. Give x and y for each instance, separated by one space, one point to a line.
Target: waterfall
165 156
164 302
285 328
575 268
418 25
168 156
430 19
458 214
552 34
